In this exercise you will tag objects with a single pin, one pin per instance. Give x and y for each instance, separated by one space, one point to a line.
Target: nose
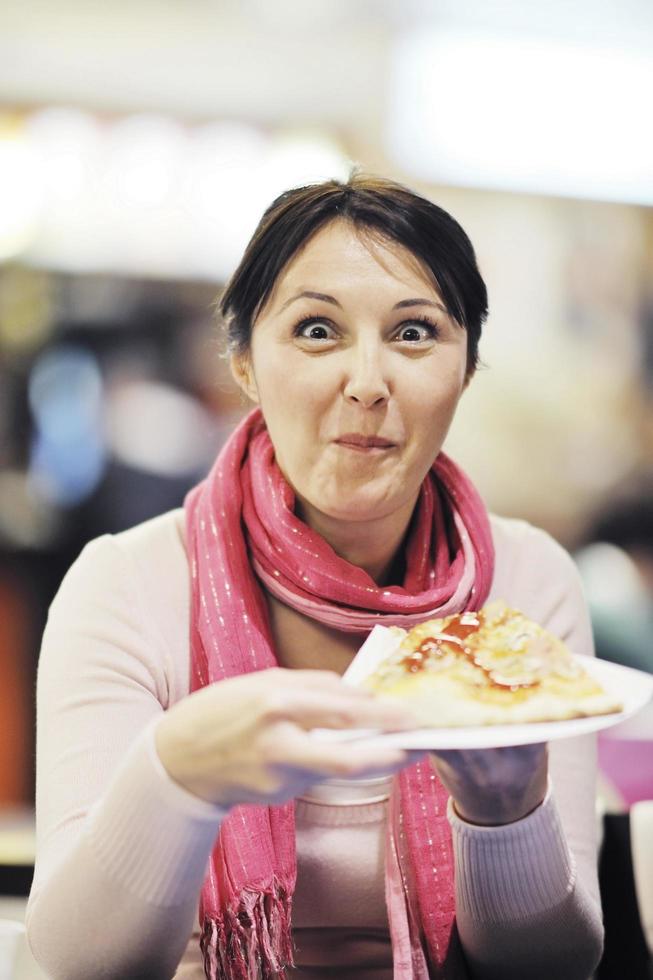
366 383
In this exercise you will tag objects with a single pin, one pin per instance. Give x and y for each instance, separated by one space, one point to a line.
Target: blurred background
139 143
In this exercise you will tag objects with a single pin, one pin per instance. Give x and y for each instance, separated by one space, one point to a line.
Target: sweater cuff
512 871
148 832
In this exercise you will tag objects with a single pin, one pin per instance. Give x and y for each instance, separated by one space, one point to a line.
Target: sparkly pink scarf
242 533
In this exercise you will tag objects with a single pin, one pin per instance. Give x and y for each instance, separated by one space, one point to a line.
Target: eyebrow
325 298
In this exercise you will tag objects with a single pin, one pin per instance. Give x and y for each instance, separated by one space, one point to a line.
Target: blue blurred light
68 454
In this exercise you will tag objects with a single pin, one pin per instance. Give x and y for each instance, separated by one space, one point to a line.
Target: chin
359 508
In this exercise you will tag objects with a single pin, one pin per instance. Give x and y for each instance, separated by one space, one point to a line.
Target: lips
358 441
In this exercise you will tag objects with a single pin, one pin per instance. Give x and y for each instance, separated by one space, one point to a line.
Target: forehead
343 254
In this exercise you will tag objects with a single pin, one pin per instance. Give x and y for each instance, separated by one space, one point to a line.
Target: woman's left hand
494 786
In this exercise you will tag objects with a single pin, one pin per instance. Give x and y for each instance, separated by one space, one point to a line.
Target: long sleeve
527 899
121 849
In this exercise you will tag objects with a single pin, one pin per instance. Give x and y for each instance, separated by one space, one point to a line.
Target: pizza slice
493 667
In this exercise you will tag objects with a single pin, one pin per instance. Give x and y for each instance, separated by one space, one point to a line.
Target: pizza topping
495 666
457 638
461 627
414 662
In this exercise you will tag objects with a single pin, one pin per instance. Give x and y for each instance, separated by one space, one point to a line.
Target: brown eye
317 332
314 329
417 332
410 333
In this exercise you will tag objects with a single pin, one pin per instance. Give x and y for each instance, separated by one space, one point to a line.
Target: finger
323 680
323 761
320 709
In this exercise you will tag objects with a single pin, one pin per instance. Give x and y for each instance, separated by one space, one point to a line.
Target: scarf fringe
251 940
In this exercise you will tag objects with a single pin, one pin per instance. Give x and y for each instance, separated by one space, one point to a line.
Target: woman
354 320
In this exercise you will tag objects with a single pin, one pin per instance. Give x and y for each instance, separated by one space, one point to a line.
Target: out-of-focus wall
559 418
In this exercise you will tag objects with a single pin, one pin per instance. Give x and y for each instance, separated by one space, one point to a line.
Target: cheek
432 398
294 403
299 390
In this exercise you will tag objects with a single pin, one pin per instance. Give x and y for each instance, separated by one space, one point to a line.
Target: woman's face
358 370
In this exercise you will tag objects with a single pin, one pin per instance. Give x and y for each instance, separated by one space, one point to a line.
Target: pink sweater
122 849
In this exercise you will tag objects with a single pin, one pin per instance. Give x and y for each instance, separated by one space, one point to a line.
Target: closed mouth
356 441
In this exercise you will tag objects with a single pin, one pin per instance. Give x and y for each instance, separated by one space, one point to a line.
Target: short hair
373 203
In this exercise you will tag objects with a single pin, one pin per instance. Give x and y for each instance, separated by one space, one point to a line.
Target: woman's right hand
245 739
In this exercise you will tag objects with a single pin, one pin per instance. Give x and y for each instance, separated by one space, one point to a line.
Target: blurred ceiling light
69 144
222 195
303 158
235 172
158 429
520 114
146 195
146 155
21 189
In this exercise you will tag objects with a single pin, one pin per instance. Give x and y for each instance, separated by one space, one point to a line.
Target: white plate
633 688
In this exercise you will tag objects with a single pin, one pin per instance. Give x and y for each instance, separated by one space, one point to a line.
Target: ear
243 374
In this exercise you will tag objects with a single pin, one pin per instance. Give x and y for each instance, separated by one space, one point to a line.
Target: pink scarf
242 532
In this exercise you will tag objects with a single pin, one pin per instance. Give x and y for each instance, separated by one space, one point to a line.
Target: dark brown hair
374 203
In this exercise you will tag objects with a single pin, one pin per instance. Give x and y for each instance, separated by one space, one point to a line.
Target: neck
373 545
